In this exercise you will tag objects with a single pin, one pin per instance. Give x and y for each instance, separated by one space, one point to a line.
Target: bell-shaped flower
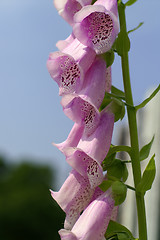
73 197
68 8
68 67
83 107
88 167
96 26
93 222
87 157
97 144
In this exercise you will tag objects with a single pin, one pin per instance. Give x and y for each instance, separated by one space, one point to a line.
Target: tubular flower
93 222
96 26
68 68
88 167
87 157
73 197
97 144
67 8
83 107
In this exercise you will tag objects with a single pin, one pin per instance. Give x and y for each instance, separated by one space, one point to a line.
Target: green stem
133 131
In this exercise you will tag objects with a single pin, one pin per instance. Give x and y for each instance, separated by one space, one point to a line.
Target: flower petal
62 44
97 145
73 137
67 68
85 165
73 197
93 222
93 89
110 5
67 9
96 27
108 79
67 235
82 112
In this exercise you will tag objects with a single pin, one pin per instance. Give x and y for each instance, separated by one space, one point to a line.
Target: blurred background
31 117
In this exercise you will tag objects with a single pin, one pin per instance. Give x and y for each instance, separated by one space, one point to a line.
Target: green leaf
121 148
109 57
122 43
144 152
118 108
148 177
115 228
118 169
107 162
115 105
105 185
119 192
143 104
130 2
117 92
134 29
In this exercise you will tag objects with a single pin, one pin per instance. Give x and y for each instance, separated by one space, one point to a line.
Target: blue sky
31 117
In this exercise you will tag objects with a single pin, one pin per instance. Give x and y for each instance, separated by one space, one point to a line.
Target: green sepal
147 100
105 185
145 150
119 192
118 170
121 148
117 92
116 106
122 43
148 177
109 57
130 2
117 230
108 161
134 29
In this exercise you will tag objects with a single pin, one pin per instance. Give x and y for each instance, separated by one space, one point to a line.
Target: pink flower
96 26
83 107
87 157
68 68
67 8
73 197
93 222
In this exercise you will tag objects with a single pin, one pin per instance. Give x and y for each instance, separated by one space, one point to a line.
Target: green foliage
118 170
147 100
134 29
148 177
122 43
118 232
27 210
109 57
117 93
114 149
144 152
130 2
119 191
115 105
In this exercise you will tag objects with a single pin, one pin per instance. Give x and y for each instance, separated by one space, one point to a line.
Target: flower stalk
131 112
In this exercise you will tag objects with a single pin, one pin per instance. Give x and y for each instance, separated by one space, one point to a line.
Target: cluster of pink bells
83 78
